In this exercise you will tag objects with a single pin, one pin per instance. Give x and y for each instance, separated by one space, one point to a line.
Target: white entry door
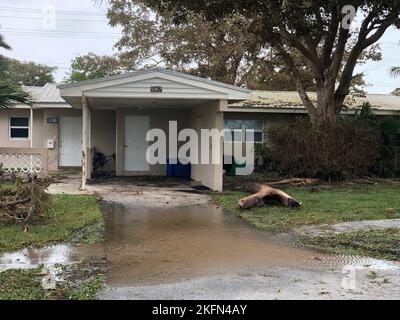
136 128
70 142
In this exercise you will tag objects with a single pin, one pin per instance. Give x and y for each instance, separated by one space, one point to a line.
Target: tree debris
21 204
295 182
262 194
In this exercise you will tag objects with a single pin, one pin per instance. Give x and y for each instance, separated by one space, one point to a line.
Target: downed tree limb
294 182
262 194
16 202
32 205
32 200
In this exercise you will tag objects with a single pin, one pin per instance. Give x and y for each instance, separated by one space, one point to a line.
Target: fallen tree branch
262 194
22 210
16 202
294 182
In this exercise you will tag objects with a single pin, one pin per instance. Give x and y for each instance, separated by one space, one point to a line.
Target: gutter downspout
31 126
31 136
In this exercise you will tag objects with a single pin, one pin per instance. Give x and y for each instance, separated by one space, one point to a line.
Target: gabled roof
148 71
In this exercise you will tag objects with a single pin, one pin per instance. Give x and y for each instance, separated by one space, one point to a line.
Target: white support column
89 157
85 142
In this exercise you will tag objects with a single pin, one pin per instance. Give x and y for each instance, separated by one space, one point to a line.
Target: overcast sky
80 26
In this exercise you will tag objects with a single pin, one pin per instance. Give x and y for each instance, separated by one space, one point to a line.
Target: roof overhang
152 85
302 110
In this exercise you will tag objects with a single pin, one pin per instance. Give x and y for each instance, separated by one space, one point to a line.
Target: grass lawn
381 244
321 205
70 218
21 284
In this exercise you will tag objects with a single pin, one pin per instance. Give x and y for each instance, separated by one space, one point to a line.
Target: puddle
152 245
32 257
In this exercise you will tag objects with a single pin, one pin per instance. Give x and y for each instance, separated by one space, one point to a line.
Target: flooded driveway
150 245
203 251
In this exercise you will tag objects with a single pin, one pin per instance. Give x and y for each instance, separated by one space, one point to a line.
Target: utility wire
63 12
57 19
61 31
61 36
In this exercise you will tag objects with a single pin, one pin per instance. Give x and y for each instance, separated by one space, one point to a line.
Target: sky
53 32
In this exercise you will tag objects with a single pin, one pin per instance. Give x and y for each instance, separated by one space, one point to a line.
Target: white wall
209 116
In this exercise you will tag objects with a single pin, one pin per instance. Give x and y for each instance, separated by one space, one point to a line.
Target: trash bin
170 169
178 170
236 165
183 170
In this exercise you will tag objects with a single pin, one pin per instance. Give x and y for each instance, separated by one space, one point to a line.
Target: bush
329 151
388 128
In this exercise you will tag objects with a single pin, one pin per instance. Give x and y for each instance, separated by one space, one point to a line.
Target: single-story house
113 114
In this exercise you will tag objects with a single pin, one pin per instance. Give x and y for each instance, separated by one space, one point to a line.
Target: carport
118 111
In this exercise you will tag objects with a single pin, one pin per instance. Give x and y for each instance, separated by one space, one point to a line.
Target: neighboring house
113 115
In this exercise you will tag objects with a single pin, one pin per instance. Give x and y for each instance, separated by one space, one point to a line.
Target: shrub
329 151
388 128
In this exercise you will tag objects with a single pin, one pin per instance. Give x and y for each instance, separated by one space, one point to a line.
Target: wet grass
18 284
380 244
328 204
70 218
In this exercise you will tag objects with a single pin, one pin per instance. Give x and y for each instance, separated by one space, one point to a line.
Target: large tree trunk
327 108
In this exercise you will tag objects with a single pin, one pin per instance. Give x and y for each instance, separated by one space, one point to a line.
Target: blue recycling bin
170 169
178 170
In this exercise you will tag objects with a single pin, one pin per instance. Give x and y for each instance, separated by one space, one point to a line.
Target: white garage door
136 128
70 142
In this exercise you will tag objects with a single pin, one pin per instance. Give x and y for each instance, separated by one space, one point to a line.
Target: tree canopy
92 66
28 73
10 92
322 33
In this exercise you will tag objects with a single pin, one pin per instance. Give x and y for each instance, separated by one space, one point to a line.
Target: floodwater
153 245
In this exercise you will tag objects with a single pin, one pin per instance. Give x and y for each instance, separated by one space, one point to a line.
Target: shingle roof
291 100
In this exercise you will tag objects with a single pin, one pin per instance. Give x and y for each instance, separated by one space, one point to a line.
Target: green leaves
27 73
11 94
92 66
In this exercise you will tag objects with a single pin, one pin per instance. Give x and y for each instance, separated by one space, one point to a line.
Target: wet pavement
204 252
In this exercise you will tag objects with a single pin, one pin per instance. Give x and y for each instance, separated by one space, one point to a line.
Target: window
238 130
19 127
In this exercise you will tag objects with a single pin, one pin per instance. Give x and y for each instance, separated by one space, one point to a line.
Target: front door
70 142
136 128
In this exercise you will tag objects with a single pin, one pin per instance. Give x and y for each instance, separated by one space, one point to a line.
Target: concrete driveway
204 252
171 242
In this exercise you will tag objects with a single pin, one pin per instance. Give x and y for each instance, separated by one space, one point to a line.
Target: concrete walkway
351 226
128 192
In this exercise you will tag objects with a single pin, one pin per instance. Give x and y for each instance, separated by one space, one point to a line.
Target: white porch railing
23 160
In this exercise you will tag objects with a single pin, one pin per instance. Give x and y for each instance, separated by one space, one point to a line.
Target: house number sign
156 89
